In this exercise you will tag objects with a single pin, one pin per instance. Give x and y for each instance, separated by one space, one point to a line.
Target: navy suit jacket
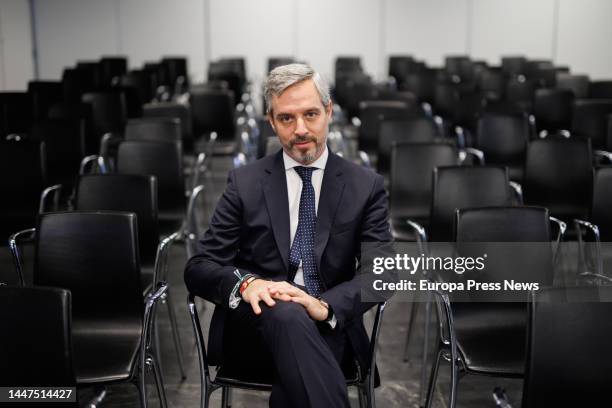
249 231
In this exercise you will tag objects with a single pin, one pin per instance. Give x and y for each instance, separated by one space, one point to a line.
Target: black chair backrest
65 147
486 230
400 66
503 139
22 180
213 110
274 62
514 65
519 94
112 67
492 84
128 193
95 256
590 120
155 129
15 112
559 176
602 202
568 329
43 95
177 67
373 113
417 130
578 84
162 160
36 346
141 80
600 90
76 82
77 112
172 110
460 187
412 167
229 72
553 109
420 84
109 111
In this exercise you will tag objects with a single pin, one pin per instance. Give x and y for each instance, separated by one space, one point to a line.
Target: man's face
301 121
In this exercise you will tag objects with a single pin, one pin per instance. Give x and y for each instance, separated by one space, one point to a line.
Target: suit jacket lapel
277 203
331 192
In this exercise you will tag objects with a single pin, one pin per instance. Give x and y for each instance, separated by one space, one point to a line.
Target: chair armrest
518 191
151 300
421 236
479 154
55 189
197 165
501 398
562 227
355 121
94 158
581 250
460 135
161 257
14 240
109 139
603 154
365 159
191 224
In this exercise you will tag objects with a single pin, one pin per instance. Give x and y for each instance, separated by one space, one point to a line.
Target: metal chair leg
141 396
175 335
425 347
432 381
452 399
413 314
159 383
361 396
226 397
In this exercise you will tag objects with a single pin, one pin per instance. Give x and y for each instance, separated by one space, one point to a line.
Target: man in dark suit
280 257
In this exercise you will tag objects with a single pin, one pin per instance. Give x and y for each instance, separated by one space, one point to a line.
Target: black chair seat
491 339
117 344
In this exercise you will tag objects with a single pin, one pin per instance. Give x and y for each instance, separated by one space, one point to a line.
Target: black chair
232 73
109 112
400 66
177 73
36 345
94 73
15 113
76 82
572 370
65 147
44 94
136 194
417 130
552 109
458 187
421 84
578 84
503 140
173 110
590 120
410 184
95 256
155 129
595 256
600 90
488 337
164 161
274 62
213 112
373 113
559 176
141 80
513 65
227 378
491 84
519 95
113 67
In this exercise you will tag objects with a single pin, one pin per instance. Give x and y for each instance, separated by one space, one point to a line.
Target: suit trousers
301 357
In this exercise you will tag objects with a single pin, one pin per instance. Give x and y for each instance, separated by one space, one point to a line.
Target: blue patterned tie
303 242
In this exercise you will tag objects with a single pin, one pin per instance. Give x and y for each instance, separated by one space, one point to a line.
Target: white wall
572 32
16 67
143 30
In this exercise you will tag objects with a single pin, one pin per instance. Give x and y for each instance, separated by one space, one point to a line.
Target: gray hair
281 78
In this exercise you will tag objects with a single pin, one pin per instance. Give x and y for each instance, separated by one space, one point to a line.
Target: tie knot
305 173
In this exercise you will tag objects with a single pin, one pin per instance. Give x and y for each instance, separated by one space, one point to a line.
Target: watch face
234 301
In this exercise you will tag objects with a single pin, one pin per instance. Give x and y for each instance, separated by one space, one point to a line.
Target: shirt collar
319 163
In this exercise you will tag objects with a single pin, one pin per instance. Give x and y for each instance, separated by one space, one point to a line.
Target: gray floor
400 380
